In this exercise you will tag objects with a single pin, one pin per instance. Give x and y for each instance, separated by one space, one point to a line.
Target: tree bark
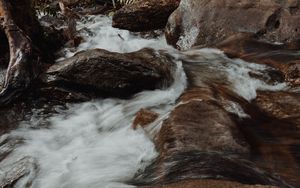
25 38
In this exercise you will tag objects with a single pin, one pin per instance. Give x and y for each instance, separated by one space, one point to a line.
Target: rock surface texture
207 22
102 73
144 15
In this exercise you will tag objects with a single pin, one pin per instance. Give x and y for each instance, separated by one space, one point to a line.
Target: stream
93 144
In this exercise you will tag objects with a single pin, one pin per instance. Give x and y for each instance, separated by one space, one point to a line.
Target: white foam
245 85
98 33
235 71
93 144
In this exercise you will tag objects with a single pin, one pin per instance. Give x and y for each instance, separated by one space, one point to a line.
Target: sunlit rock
207 22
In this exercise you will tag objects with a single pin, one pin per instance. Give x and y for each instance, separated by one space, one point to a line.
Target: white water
98 33
92 145
235 71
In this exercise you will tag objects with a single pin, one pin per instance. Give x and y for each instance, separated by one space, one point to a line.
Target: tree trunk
25 38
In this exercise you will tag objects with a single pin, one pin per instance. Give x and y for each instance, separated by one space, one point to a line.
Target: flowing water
92 144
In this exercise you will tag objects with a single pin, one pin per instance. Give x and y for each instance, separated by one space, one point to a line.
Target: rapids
92 144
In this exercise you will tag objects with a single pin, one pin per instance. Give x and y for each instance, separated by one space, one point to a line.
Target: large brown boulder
103 73
144 15
208 184
207 22
197 165
214 133
200 125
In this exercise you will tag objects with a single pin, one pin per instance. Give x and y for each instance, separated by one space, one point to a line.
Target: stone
200 125
144 15
208 22
207 184
108 74
144 117
197 165
281 105
282 57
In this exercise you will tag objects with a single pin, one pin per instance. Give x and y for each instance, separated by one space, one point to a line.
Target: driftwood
24 36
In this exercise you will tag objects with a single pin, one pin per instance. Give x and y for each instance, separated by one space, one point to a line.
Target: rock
102 73
144 15
196 165
143 118
70 2
273 132
200 125
281 105
26 169
250 48
207 22
207 184
204 136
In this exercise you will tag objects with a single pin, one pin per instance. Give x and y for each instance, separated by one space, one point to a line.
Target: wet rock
273 133
200 125
55 38
196 165
280 105
144 15
207 184
144 117
7 146
283 57
70 2
4 56
25 169
102 73
206 22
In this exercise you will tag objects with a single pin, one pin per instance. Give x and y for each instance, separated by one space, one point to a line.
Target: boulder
206 135
144 15
207 22
250 48
108 74
207 184
200 125
197 165
273 132
281 105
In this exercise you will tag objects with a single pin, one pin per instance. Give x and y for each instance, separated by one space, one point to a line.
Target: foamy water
98 33
236 72
92 145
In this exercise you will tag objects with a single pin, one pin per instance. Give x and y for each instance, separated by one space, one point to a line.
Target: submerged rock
144 15
207 22
143 118
108 74
283 57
